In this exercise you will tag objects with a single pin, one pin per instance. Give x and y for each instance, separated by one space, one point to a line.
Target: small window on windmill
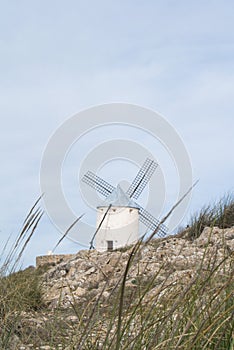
109 246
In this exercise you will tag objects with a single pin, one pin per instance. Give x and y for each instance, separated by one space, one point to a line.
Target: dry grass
220 214
149 315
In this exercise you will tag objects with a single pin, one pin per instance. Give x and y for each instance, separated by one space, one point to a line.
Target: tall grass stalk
19 291
147 312
220 214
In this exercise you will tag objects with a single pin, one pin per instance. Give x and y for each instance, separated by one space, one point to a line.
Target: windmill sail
118 197
151 222
98 183
142 178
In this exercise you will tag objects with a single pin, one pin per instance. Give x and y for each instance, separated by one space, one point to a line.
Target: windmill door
109 246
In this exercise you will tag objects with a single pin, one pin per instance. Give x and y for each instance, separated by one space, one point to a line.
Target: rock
90 279
88 272
105 294
79 292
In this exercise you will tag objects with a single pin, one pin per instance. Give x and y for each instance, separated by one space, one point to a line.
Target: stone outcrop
85 275
52 259
81 291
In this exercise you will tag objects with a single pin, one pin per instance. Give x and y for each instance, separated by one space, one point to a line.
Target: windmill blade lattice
151 222
98 183
142 178
135 189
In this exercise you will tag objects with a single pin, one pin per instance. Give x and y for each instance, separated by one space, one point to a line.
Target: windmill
118 219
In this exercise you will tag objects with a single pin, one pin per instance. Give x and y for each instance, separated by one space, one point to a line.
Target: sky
58 58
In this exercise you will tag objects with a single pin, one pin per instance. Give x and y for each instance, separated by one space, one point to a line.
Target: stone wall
52 259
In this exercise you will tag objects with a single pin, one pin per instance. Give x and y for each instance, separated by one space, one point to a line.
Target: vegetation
220 214
195 315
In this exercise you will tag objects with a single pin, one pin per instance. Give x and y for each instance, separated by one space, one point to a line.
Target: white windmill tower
121 223
118 219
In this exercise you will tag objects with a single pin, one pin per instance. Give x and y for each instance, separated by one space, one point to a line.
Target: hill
172 293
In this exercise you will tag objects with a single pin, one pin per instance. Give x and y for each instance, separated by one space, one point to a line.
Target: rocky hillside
172 293
173 259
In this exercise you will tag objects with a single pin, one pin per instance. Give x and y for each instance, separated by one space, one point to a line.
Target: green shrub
20 291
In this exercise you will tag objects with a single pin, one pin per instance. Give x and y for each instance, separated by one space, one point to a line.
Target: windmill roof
118 198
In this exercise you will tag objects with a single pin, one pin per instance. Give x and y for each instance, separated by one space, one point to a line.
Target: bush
20 291
220 214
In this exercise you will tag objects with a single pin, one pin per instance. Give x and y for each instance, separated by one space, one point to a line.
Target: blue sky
57 58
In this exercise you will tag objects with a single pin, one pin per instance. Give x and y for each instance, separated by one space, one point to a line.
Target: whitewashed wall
121 226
